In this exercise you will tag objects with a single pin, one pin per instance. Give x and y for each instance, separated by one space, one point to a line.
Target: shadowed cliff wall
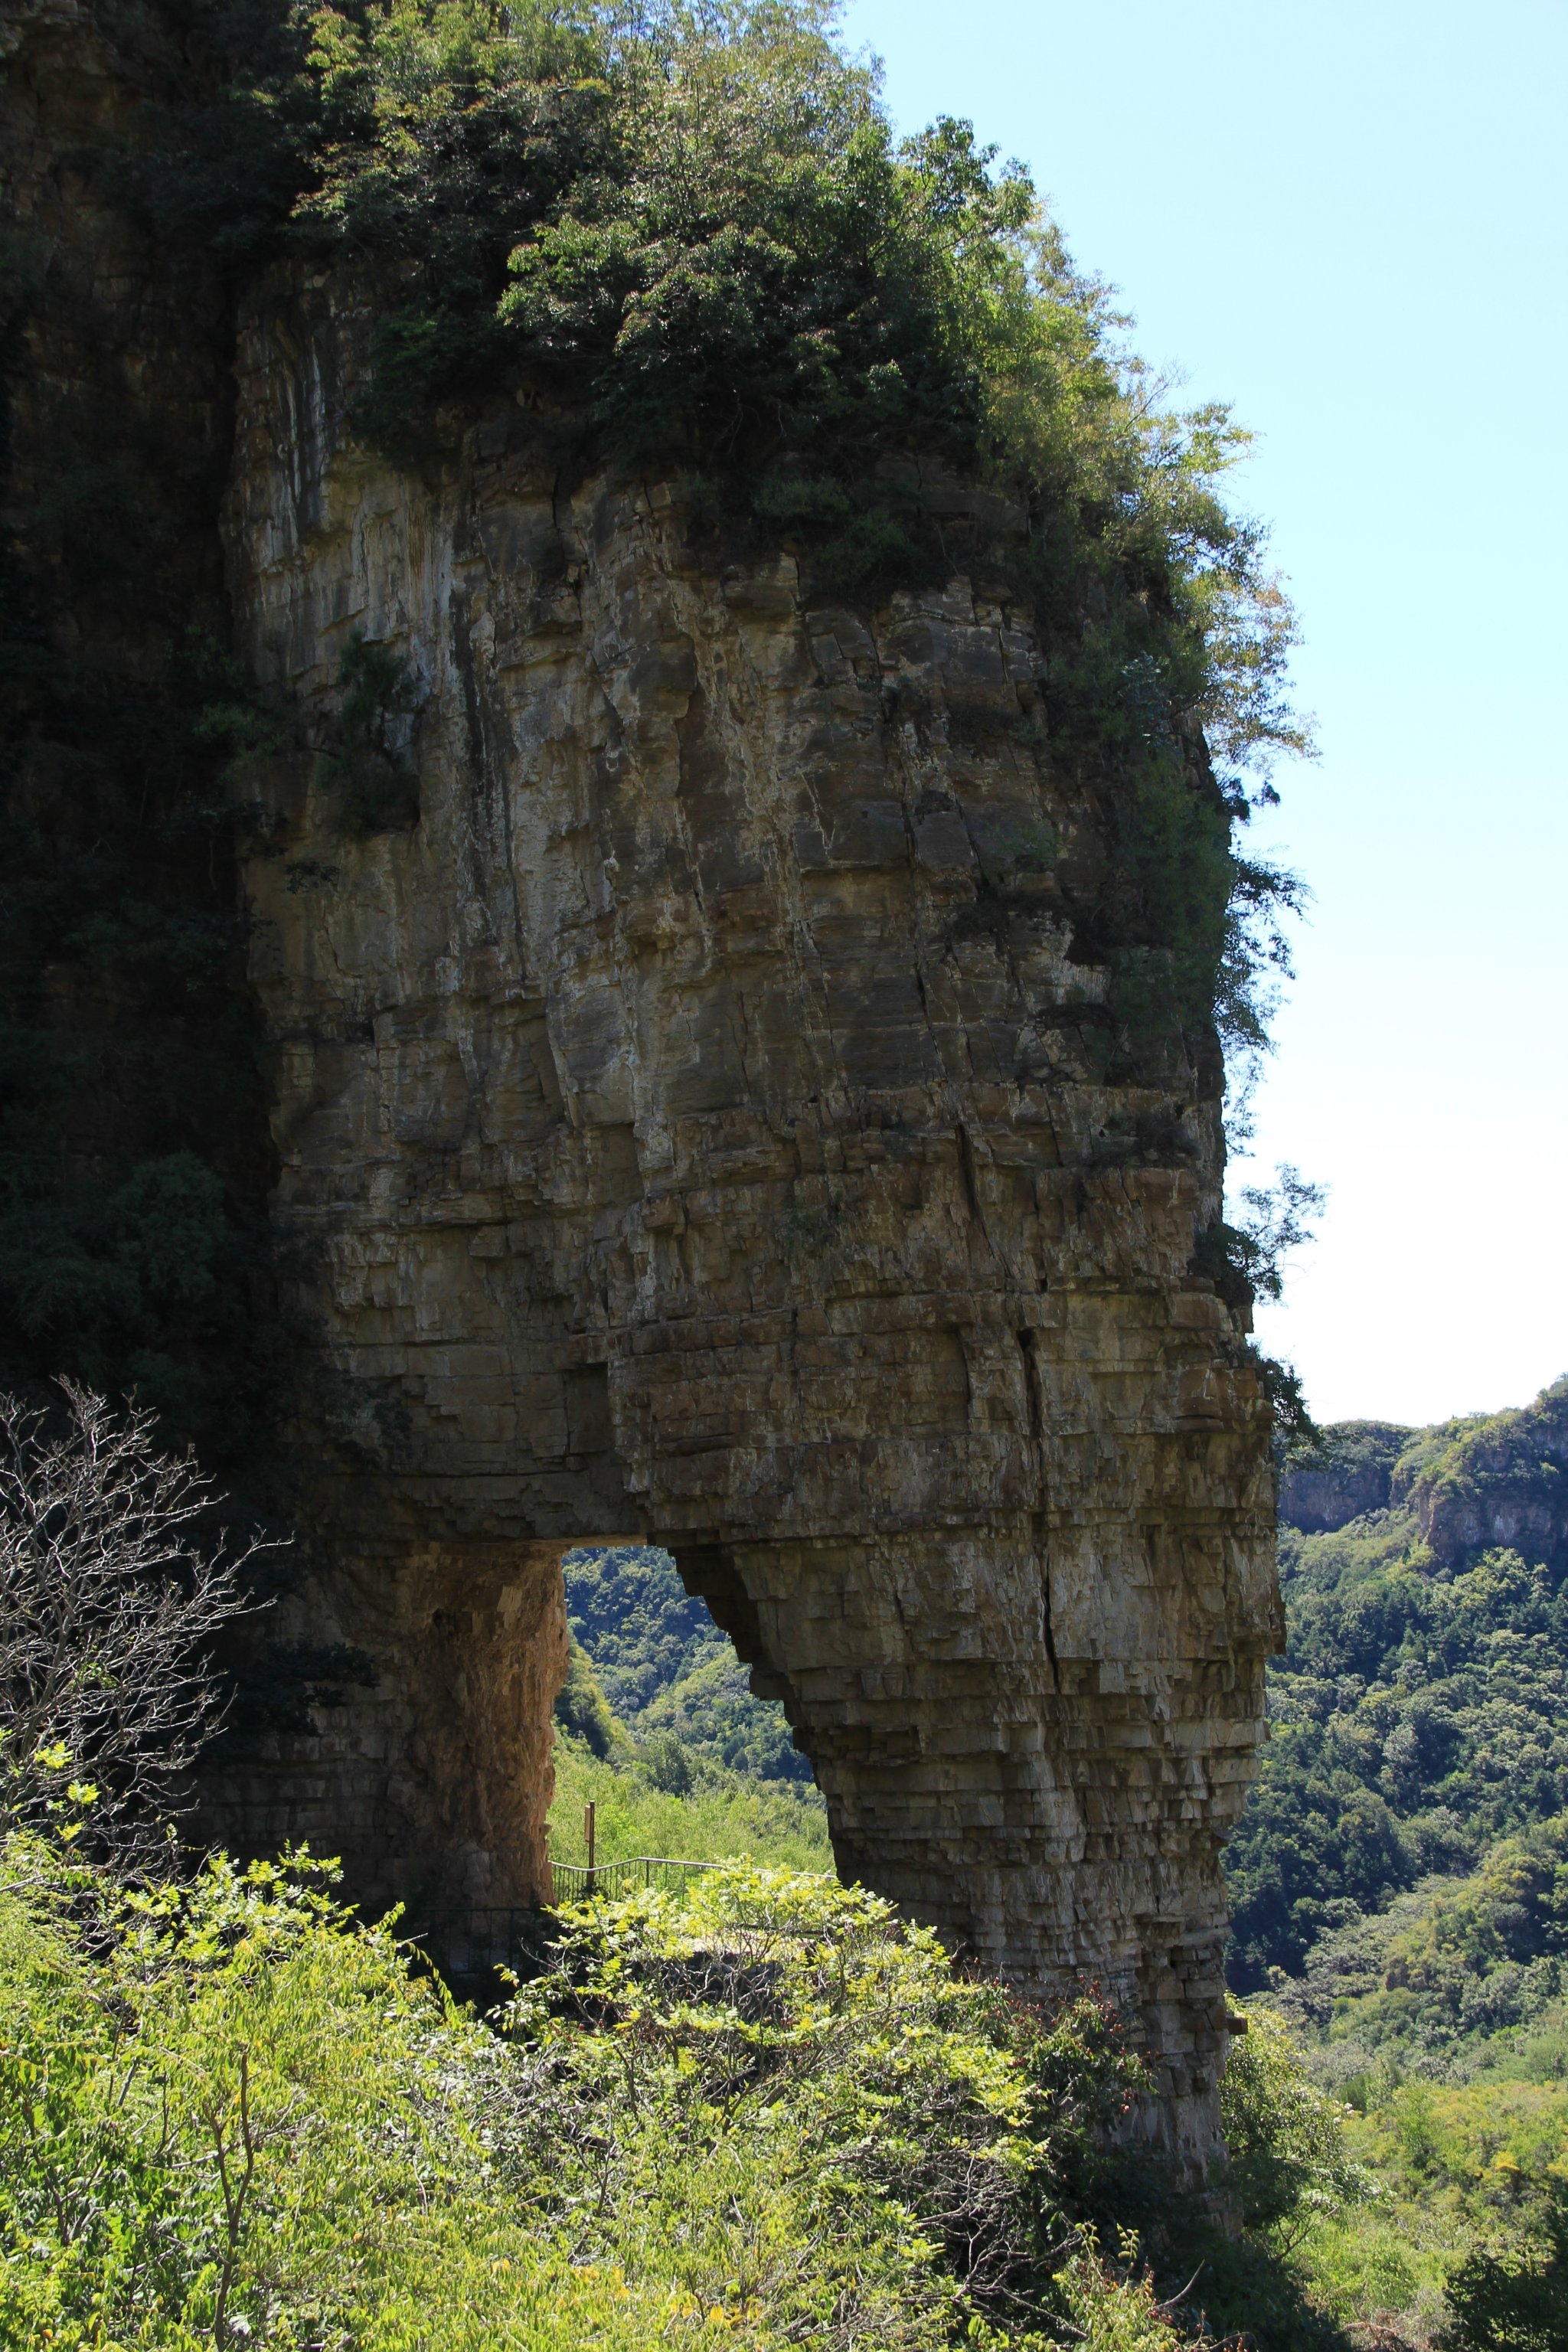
697 1125
134 1157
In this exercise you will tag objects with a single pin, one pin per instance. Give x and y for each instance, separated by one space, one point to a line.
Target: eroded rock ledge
696 1127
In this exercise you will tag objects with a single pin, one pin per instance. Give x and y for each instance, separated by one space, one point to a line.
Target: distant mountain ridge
1344 1477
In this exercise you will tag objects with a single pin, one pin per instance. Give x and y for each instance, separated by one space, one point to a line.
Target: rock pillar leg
407 1725
1059 1819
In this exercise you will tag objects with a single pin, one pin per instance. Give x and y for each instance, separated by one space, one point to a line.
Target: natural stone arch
699 1130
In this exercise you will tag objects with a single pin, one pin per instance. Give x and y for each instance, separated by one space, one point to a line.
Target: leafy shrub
798 2022
1288 2162
369 769
228 2115
1513 2296
245 2122
1114 2307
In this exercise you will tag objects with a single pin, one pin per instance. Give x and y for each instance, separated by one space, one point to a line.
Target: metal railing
577 1882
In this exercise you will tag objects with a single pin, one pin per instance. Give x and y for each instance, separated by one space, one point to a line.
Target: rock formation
692 1128
1346 1475
694 1121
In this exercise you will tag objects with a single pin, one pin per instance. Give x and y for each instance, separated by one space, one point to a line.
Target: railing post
588 1836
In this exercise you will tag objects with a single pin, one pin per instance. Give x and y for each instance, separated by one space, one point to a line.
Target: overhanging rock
698 1127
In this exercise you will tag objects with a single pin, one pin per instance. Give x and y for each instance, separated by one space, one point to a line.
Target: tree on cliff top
687 235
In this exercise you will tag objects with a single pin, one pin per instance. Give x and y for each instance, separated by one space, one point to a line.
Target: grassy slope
721 1815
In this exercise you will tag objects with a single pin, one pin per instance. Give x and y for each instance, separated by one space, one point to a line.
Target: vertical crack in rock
724 1194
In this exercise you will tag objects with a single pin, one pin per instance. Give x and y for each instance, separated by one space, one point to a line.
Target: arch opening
674 1666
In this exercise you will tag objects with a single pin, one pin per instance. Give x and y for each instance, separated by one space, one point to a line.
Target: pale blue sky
1351 222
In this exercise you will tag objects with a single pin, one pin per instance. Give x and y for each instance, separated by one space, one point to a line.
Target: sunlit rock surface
697 1127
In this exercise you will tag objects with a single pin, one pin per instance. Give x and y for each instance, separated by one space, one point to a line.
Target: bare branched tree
110 1600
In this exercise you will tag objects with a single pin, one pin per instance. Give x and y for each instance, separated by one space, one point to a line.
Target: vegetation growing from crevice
1245 1260
368 768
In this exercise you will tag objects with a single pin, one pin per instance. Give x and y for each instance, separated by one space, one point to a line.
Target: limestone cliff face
694 1127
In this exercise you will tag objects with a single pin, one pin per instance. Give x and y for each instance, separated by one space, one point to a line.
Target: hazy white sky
1351 221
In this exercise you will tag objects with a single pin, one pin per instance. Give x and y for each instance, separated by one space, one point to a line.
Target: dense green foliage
771 2115
581 1707
1419 1712
1401 1876
666 1671
1514 2297
1289 2159
628 1608
1458 1974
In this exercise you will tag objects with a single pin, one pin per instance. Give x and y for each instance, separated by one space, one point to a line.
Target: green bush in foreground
1290 2161
228 2115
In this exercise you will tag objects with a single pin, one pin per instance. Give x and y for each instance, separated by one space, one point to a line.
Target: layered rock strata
696 1127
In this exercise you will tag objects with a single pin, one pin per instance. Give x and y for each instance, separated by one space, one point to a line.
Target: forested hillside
1400 1880
664 1668
658 1729
1418 1717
